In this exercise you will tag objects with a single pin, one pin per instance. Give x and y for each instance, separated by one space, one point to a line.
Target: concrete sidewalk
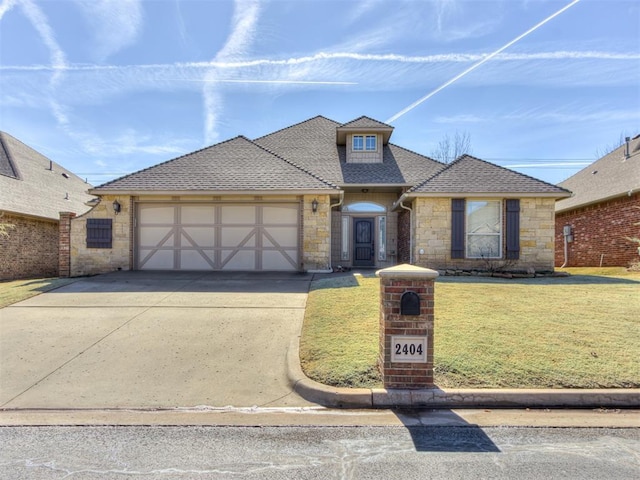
153 340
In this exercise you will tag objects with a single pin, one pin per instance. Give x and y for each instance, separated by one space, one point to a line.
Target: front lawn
581 331
18 290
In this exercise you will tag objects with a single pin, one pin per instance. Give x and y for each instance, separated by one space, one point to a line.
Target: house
593 226
33 192
316 196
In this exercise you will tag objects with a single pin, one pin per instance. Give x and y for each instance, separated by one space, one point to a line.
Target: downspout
331 223
566 252
401 204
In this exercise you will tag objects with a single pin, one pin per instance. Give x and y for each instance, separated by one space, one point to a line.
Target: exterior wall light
116 207
314 205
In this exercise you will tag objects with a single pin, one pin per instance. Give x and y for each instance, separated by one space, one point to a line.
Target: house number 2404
406 349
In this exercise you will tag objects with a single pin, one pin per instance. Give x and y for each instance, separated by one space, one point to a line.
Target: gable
35 186
470 175
235 165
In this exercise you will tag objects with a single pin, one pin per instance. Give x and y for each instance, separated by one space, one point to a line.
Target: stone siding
92 261
599 233
316 237
433 235
31 248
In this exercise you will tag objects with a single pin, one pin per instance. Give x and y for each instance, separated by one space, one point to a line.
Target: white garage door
217 236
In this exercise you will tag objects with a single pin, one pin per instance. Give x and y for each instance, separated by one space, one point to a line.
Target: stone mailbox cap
407 271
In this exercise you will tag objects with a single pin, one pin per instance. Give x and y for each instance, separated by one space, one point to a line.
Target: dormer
364 139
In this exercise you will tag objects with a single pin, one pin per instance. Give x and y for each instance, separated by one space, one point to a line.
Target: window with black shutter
457 227
513 229
98 233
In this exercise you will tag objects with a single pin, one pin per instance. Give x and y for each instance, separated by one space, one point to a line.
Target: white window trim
382 238
345 241
364 138
500 234
375 140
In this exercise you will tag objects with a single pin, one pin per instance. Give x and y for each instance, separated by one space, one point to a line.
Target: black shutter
98 233
457 227
513 229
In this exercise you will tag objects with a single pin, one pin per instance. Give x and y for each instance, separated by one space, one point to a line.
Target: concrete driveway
153 340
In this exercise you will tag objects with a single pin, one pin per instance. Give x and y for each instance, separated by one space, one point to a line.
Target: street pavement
318 452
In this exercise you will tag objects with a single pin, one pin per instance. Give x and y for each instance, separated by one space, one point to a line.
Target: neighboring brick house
33 192
602 211
312 197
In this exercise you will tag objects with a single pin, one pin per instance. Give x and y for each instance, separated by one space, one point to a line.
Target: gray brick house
314 196
33 192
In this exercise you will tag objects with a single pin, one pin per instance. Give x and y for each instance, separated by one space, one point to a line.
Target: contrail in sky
476 65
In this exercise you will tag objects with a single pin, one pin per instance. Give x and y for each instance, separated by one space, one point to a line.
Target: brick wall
393 285
30 250
599 233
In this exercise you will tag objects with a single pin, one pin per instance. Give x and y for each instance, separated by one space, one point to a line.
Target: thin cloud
359 57
481 62
58 58
244 22
116 23
6 6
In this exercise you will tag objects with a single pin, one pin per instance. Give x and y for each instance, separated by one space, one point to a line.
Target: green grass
581 331
18 290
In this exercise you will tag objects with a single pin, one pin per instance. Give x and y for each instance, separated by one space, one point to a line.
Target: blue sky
107 87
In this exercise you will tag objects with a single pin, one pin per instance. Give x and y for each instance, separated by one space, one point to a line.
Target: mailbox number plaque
405 349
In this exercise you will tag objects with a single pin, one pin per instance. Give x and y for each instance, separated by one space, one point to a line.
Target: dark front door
363 242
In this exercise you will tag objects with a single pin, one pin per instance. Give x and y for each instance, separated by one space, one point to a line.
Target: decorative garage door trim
218 236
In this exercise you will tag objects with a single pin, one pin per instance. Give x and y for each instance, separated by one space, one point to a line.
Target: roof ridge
295 125
416 153
368 118
507 169
293 164
172 160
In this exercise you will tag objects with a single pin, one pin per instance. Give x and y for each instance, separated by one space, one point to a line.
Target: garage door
217 236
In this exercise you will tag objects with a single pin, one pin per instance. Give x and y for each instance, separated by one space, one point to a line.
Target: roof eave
596 201
140 193
490 194
341 134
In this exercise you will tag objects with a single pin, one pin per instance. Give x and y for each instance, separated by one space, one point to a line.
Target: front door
363 242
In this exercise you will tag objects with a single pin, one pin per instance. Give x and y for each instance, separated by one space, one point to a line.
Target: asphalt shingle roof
365 122
312 144
31 184
307 156
611 176
468 174
234 165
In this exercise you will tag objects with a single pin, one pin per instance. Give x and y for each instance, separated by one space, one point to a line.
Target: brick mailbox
406 326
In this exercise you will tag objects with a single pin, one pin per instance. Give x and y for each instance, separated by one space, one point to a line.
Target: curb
337 397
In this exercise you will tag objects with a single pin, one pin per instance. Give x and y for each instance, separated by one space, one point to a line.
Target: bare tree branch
449 148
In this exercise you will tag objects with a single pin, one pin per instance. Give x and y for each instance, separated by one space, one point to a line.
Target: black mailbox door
363 242
410 304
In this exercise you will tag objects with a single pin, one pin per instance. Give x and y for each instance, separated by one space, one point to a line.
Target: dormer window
365 143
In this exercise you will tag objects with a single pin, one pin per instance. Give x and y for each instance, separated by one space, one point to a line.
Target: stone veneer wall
31 248
316 236
433 235
92 261
599 233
